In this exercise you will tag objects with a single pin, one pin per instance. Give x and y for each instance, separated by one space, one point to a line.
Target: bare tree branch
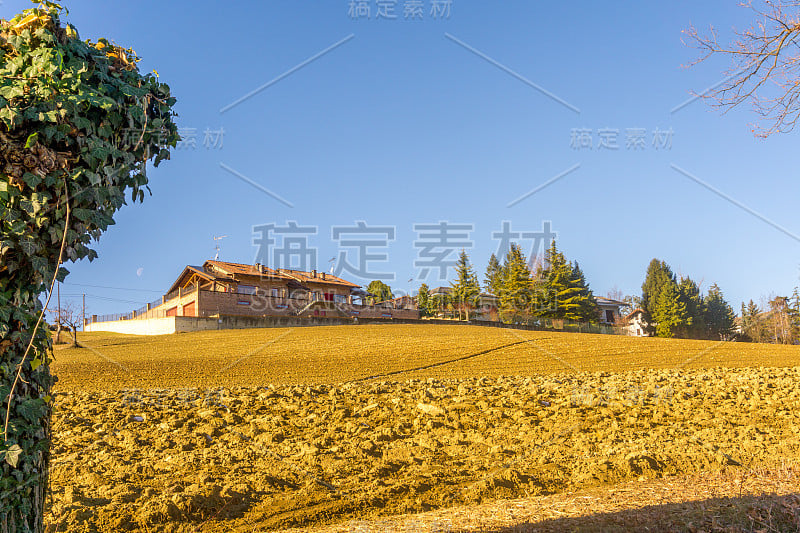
765 65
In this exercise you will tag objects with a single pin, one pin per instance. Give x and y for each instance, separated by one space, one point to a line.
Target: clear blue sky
413 121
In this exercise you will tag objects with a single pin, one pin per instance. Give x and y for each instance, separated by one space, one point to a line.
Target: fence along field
214 431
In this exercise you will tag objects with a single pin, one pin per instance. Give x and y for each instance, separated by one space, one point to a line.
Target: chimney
313 273
322 275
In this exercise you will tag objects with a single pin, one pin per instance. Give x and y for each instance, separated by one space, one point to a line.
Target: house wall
602 312
225 303
145 326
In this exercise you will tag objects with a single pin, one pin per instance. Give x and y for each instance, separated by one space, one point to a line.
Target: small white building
637 324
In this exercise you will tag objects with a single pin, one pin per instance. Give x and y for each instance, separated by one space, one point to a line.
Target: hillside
336 354
261 429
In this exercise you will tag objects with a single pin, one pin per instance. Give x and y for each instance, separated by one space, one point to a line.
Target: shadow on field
441 363
767 513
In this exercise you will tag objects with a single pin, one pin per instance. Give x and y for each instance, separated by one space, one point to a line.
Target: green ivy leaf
12 455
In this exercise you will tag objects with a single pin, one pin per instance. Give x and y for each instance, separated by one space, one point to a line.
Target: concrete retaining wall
142 326
184 324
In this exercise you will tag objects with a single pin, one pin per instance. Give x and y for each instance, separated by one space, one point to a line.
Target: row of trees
777 321
676 307
555 288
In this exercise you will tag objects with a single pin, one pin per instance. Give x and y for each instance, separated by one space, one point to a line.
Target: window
274 293
609 315
246 289
340 298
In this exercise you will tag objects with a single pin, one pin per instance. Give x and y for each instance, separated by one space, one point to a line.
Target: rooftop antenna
216 247
332 261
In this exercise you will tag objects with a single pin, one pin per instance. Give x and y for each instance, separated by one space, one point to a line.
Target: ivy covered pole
78 125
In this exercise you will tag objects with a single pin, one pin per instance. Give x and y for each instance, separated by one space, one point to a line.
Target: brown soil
244 459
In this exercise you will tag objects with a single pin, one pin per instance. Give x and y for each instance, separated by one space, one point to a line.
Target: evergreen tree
553 276
719 317
465 290
670 312
423 300
516 289
658 275
583 306
494 276
794 316
752 327
563 290
690 295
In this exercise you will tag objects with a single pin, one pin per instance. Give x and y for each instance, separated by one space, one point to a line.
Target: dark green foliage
658 275
465 289
516 294
749 321
670 311
563 290
493 283
692 299
794 316
582 305
380 291
719 318
78 125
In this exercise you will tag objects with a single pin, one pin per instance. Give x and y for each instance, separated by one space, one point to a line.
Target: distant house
488 305
221 288
401 302
609 310
440 291
637 324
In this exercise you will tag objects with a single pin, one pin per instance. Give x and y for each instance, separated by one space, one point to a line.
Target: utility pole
83 313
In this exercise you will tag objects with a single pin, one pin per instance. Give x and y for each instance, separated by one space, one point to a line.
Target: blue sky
405 122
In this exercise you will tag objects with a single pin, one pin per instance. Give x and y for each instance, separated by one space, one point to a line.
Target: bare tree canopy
765 65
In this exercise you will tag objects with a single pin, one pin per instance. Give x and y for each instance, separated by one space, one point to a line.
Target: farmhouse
608 309
219 289
637 325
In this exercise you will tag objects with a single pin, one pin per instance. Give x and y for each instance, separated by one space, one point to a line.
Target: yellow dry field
336 354
349 426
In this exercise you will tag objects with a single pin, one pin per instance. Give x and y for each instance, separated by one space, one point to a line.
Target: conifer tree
466 289
670 311
494 276
583 304
695 309
563 289
719 317
794 316
553 276
658 275
752 326
516 289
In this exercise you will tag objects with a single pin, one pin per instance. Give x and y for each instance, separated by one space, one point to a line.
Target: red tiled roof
307 277
281 273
